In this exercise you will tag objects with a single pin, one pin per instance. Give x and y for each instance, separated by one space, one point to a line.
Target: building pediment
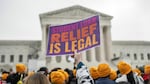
74 12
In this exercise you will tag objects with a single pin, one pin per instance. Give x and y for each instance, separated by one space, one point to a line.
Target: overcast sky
19 19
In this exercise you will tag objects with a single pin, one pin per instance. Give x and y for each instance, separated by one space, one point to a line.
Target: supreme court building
91 57
33 53
137 53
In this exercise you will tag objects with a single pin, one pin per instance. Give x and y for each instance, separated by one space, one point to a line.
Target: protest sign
81 35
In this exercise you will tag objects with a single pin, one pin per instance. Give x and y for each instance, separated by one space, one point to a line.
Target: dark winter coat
104 81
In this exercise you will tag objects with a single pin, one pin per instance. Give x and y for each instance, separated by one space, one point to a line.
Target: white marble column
93 55
89 55
93 58
43 46
108 43
84 56
97 54
102 51
63 60
52 63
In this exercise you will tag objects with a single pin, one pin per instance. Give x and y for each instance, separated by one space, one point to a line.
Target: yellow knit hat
64 73
123 67
74 72
94 73
20 68
113 75
31 73
137 71
147 69
104 70
57 77
4 76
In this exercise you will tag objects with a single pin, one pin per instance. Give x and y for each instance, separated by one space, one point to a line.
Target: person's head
57 77
70 74
124 68
94 73
20 68
104 70
43 70
74 71
4 76
147 69
113 75
69 71
65 74
31 73
37 78
136 70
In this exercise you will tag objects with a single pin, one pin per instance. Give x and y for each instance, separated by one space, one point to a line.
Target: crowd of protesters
101 74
